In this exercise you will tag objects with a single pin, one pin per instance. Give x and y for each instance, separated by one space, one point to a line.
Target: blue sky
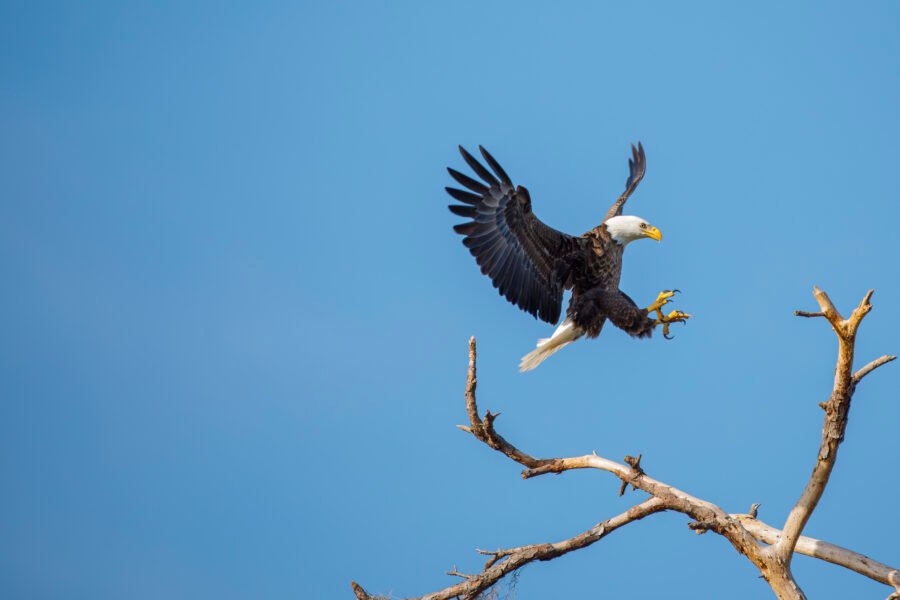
234 317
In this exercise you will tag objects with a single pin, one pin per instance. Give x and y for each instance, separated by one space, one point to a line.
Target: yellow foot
664 298
676 316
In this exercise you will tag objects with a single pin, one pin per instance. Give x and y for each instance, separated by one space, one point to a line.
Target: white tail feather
564 335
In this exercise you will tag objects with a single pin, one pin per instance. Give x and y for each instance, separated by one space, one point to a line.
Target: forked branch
837 412
768 548
836 555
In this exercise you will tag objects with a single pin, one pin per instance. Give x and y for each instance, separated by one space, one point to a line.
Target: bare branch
883 360
634 463
831 313
674 499
360 593
504 562
701 527
837 411
862 310
754 509
837 555
471 384
745 532
484 430
455 573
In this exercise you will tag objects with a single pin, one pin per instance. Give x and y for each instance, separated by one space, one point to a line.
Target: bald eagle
532 264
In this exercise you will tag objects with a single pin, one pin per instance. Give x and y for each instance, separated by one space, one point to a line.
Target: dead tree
770 549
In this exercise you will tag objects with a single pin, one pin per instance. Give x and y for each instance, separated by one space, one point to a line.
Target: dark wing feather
465 180
478 167
495 166
462 196
468 212
637 166
527 261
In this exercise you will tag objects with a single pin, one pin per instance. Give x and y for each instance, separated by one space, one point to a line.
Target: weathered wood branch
881 360
630 474
832 553
504 562
483 430
768 548
837 412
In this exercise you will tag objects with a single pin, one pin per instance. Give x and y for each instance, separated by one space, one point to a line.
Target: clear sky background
233 317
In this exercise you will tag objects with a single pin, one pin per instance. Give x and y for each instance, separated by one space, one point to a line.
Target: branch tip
359 592
880 361
635 463
456 573
868 297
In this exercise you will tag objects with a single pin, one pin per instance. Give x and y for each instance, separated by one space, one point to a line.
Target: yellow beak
653 233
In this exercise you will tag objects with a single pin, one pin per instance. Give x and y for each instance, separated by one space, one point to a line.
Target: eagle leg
676 316
662 299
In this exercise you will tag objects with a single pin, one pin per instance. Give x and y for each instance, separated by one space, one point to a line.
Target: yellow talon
676 316
662 299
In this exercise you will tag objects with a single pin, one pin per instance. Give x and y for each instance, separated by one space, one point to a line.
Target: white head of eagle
532 264
625 229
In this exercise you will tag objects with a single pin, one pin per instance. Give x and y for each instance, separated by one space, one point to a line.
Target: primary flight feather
532 264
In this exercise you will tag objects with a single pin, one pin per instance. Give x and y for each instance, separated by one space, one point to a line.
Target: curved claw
676 291
676 316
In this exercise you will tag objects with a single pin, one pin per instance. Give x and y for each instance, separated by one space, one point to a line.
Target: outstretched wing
637 166
527 261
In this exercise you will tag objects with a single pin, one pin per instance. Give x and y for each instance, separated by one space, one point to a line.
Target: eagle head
625 229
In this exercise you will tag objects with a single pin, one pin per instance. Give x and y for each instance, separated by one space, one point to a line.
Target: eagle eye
643 226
